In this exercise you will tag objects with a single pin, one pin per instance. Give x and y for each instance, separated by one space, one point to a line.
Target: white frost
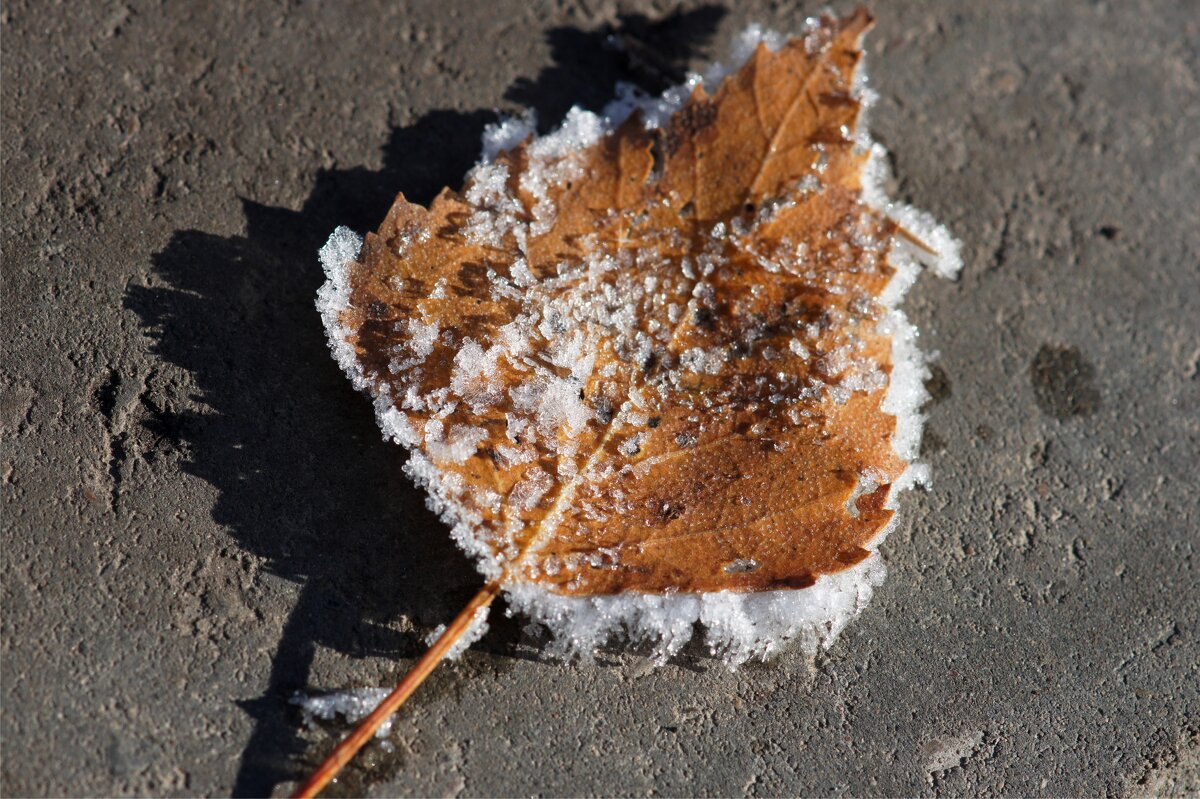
353 705
476 630
334 297
505 135
739 627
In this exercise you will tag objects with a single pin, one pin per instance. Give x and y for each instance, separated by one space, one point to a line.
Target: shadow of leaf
304 480
653 54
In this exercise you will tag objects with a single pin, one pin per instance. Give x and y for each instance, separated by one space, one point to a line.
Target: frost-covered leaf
650 366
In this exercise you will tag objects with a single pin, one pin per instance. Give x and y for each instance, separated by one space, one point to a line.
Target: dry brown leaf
652 371
650 360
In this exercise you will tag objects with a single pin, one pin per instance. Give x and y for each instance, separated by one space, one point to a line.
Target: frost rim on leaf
738 626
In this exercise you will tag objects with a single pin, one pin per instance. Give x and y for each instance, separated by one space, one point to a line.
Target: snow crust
547 408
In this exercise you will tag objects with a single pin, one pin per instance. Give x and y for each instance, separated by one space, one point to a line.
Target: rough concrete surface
199 517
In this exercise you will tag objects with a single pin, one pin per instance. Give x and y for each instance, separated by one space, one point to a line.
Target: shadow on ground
304 479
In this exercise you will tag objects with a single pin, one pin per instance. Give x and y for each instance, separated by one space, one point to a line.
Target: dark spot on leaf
689 121
852 556
650 362
654 422
657 157
827 134
472 279
798 581
837 98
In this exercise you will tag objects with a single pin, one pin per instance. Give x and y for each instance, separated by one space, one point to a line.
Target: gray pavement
199 517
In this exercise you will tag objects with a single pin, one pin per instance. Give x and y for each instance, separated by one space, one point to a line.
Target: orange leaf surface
657 358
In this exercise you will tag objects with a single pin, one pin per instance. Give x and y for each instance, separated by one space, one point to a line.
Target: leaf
649 367
654 359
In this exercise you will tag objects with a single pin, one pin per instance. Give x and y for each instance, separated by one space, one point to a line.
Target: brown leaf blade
638 361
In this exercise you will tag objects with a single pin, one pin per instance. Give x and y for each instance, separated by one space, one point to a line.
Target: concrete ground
199 517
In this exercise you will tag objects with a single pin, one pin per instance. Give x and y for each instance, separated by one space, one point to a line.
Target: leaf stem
349 747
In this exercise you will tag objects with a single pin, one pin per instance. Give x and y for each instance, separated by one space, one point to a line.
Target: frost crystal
353 705
477 629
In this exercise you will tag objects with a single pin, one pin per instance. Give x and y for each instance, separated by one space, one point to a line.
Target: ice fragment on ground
476 630
353 705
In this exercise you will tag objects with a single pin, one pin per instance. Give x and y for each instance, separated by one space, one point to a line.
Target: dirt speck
1063 382
943 754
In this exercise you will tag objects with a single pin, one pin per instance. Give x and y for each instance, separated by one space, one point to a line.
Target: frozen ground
199 517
